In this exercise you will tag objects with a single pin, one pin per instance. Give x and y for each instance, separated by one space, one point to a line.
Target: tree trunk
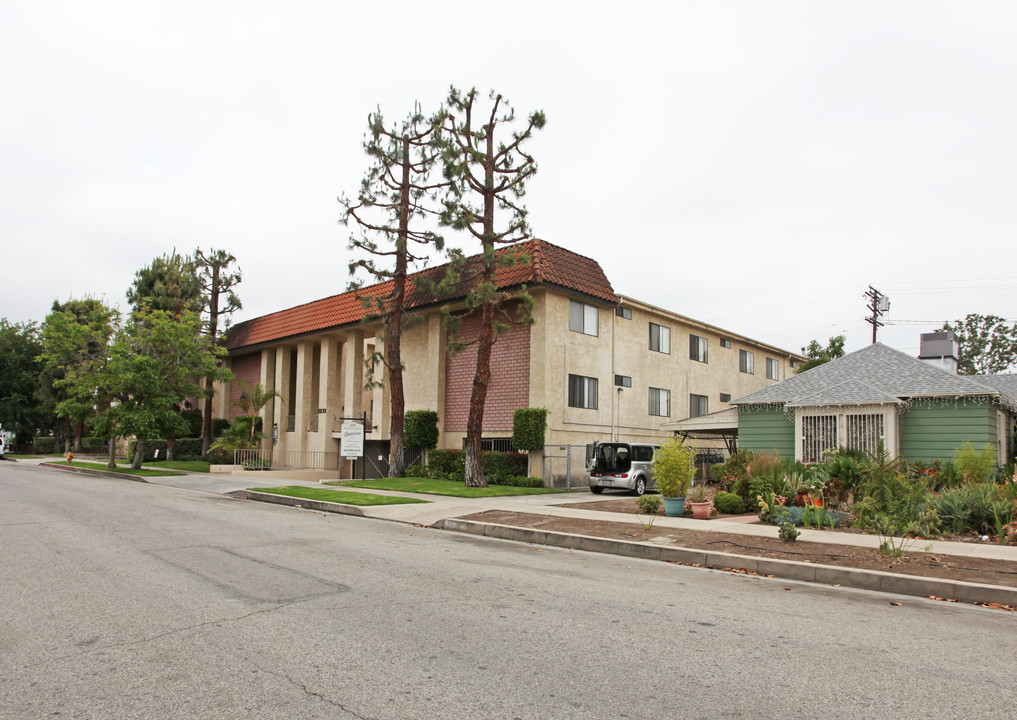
478 398
206 426
171 448
139 453
112 464
78 432
65 426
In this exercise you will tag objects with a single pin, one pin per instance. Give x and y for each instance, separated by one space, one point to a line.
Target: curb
97 473
787 569
302 503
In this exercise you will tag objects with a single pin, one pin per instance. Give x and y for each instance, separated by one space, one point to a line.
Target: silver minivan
620 465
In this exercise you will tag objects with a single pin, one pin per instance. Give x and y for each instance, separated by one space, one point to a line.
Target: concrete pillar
304 403
353 373
329 395
267 381
282 407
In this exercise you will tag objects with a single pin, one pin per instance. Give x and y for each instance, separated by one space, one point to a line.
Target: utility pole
878 305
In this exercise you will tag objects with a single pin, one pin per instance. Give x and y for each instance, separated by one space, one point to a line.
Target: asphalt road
128 600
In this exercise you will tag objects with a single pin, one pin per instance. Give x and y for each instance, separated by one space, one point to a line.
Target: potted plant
700 502
673 470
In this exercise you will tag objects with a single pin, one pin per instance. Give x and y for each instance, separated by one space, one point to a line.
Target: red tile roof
549 266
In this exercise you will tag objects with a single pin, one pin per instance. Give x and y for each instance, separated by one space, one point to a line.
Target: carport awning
721 424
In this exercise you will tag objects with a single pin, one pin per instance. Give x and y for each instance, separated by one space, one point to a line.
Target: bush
973 508
788 532
529 425
219 456
975 466
44 445
93 444
219 426
516 481
728 503
193 420
420 429
150 447
257 464
498 465
416 470
804 516
446 464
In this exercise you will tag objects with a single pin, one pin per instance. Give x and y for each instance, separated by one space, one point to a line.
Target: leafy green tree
818 355
21 409
152 364
170 283
217 275
487 177
76 336
396 191
988 345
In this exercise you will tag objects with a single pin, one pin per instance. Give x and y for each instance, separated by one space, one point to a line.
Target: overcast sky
756 165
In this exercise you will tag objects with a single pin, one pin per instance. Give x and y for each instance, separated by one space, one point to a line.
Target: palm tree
252 400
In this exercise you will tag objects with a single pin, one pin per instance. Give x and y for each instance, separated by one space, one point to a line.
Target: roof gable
549 265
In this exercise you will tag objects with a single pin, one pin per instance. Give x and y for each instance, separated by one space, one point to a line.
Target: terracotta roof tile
549 265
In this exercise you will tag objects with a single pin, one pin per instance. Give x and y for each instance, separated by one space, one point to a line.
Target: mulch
915 560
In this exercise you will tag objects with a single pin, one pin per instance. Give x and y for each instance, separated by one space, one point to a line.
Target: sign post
352 433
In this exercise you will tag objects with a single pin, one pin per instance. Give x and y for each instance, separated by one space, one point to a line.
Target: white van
3 447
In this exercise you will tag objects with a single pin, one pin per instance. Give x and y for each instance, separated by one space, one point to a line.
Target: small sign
352 440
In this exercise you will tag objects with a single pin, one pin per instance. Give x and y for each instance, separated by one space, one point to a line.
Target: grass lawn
120 469
188 465
337 496
442 487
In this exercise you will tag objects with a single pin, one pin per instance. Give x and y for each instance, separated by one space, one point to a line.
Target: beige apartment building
604 365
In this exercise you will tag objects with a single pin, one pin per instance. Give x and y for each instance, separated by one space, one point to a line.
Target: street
123 599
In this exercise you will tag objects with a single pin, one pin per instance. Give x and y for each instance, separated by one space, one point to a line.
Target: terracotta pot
701 511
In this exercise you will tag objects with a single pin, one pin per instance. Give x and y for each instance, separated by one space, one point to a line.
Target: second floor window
584 318
745 362
772 369
660 338
697 348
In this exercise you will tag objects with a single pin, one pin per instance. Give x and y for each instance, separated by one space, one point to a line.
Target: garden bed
914 561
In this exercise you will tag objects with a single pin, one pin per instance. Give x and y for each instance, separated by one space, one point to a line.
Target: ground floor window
819 433
852 431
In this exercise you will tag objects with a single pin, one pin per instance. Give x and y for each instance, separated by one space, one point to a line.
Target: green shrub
673 468
529 425
975 466
150 447
788 532
257 464
44 445
761 487
416 470
649 504
973 508
516 481
188 448
446 464
193 420
498 465
219 426
732 474
218 455
420 429
93 444
728 503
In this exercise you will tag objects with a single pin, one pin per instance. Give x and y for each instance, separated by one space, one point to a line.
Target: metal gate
564 466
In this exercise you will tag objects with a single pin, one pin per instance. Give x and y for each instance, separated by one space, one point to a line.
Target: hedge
420 429
44 445
529 425
498 466
187 449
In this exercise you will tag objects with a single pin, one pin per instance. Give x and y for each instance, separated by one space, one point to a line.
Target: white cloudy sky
756 165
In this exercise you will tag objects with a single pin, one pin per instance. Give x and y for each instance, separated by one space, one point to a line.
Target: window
864 432
584 318
793 364
697 348
725 397
642 453
772 369
623 381
819 433
582 392
746 362
625 313
660 338
698 405
660 402
725 343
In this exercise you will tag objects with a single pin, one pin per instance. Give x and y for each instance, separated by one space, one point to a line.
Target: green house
917 409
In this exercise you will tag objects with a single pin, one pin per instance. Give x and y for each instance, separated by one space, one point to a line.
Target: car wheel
639 487
596 490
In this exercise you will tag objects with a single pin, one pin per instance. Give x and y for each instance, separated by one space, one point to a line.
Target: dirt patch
914 562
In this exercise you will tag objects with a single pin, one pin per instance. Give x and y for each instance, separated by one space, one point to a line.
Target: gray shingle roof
877 374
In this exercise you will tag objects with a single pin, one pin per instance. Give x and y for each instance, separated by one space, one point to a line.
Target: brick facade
509 388
248 369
